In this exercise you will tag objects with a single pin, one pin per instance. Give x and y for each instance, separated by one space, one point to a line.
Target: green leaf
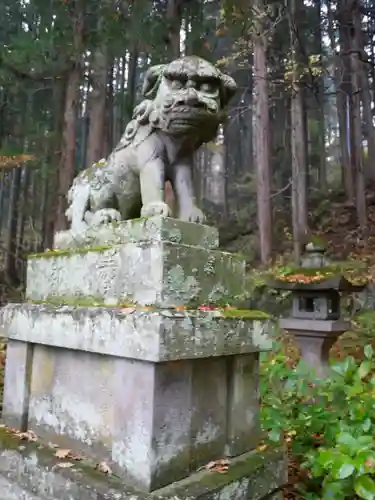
366 425
365 440
348 441
326 458
368 351
274 435
364 486
364 368
341 368
344 471
333 490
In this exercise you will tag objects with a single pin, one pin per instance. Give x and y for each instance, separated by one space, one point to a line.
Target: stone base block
31 471
150 230
150 394
154 273
136 333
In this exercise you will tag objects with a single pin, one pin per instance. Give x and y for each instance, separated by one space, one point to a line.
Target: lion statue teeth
183 107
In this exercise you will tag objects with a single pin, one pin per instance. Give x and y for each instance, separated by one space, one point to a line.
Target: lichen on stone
175 236
209 266
185 287
217 294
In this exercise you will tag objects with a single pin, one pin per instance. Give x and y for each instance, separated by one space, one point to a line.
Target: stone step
151 230
30 471
156 273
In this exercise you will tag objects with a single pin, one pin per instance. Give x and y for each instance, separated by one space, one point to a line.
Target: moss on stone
78 301
245 314
227 313
71 251
325 272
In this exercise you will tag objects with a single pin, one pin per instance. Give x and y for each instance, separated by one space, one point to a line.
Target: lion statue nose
189 98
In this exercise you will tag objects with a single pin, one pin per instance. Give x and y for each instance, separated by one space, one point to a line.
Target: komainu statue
183 107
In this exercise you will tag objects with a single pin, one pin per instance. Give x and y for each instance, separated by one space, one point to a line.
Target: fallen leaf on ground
104 467
62 453
220 465
128 310
27 436
65 465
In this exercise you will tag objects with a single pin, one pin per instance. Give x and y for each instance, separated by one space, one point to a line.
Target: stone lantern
315 320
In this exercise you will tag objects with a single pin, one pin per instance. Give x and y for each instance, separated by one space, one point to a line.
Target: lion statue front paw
193 214
103 216
155 209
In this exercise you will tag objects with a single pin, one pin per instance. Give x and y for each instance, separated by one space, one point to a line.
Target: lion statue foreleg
182 182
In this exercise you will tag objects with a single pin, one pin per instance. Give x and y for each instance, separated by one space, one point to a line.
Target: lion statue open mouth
183 107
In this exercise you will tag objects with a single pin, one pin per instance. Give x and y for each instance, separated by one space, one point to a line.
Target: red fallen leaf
221 465
207 308
128 310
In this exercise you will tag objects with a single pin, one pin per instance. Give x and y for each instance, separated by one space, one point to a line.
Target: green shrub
330 424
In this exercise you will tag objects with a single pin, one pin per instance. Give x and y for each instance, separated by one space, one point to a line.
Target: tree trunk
319 104
365 94
10 254
357 124
96 105
66 171
173 26
132 80
261 143
298 140
344 97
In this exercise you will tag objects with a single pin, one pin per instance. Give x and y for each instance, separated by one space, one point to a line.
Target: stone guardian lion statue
183 107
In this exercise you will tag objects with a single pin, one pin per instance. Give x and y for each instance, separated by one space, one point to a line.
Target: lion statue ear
152 80
227 90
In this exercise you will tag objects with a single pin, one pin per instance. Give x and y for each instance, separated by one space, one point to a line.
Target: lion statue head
187 94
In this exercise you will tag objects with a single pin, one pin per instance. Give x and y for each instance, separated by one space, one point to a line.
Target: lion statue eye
207 87
176 85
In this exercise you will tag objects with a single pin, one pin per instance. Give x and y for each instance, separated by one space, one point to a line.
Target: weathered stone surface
155 392
150 335
32 472
152 422
243 426
163 274
315 339
146 231
145 402
17 389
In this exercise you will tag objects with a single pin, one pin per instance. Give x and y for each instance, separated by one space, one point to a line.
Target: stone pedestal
315 339
111 357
